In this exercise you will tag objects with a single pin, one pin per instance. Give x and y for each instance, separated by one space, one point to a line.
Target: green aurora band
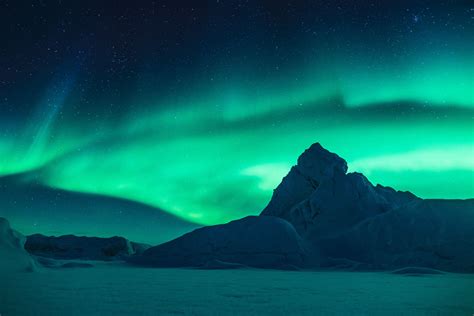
216 153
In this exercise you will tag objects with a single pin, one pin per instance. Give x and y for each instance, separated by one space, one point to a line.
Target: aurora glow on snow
201 111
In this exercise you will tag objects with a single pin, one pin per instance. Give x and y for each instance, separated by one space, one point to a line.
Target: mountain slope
263 242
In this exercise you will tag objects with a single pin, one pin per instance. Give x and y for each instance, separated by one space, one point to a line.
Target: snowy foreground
116 289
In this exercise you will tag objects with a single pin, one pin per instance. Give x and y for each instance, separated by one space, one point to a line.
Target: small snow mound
59 264
217 265
417 271
76 265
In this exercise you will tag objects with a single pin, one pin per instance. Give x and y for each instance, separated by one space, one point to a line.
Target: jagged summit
318 189
313 166
317 163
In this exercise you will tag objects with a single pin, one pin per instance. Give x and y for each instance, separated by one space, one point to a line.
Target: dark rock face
84 248
263 242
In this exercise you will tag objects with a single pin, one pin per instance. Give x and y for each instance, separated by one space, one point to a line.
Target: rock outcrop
69 247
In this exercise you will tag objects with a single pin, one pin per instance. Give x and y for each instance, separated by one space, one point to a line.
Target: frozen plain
117 289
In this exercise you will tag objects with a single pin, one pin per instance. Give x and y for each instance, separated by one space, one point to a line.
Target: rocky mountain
348 221
321 199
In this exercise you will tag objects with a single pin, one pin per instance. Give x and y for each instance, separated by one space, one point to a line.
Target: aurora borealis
200 109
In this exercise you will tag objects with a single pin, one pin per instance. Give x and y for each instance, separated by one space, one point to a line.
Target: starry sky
197 109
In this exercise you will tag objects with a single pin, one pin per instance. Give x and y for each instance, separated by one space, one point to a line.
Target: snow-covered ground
116 289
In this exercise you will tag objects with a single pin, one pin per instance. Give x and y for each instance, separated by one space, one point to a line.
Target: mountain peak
316 162
314 165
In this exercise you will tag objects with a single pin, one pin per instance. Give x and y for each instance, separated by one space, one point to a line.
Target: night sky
197 109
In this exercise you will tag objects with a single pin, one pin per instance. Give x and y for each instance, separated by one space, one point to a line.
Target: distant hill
32 208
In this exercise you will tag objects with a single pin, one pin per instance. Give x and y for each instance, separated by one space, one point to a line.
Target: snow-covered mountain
349 221
320 199
331 218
